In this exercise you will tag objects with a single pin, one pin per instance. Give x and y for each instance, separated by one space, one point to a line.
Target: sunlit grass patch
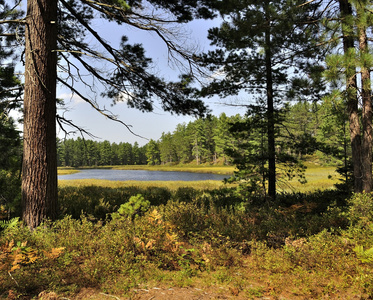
66 171
318 178
172 185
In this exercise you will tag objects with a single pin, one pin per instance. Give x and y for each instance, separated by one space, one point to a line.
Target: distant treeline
201 141
304 128
82 152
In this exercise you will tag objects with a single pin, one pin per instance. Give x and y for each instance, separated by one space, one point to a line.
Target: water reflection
140 175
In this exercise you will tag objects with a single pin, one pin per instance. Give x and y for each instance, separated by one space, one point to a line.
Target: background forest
307 128
308 131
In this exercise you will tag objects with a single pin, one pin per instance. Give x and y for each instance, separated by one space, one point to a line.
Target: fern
365 256
4 224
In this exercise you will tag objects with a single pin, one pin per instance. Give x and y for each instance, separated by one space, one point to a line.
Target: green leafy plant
136 206
361 209
4 224
366 256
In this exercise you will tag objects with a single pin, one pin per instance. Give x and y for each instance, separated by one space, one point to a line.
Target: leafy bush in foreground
292 244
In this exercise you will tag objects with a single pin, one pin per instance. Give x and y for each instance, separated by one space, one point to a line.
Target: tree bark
352 99
39 171
366 154
270 114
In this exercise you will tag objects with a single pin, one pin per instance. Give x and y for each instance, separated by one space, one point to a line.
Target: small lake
141 175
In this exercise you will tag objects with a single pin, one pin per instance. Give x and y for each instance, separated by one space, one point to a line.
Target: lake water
140 175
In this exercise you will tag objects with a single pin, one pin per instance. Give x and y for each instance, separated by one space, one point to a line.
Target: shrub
10 194
136 206
360 212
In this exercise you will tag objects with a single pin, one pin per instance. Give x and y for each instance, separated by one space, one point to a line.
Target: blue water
140 175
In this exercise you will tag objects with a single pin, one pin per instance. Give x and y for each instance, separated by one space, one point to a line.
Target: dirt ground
187 293
155 293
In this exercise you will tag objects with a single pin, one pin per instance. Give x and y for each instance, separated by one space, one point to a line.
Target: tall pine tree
346 29
258 45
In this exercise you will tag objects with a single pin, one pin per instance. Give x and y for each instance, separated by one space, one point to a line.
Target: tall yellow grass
172 185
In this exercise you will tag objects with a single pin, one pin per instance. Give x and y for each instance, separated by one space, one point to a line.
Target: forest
302 72
306 129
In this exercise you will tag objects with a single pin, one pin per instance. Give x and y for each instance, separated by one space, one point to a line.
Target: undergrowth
310 246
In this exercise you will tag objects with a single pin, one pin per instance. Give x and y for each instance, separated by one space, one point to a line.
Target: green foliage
10 194
99 201
82 152
136 206
197 235
360 211
10 163
152 153
10 140
366 256
4 224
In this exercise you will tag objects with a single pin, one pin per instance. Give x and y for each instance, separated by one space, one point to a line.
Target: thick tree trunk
352 99
366 154
39 171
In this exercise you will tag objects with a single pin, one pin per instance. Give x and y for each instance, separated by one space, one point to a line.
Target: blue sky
147 125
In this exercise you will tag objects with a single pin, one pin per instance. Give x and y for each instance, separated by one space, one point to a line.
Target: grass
172 185
66 171
318 178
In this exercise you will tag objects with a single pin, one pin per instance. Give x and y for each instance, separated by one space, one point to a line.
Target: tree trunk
270 115
366 154
352 99
39 171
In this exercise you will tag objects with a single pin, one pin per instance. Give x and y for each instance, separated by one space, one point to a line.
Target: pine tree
152 153
348 30
258 44
10 140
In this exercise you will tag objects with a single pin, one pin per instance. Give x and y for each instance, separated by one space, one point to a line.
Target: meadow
193 240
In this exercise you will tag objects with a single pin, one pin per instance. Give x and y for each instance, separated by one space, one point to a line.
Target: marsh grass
172 185
183 168
318 178
66 171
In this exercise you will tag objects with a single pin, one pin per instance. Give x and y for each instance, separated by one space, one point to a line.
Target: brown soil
188 293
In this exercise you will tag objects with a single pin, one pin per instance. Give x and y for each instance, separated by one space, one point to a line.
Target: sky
146 125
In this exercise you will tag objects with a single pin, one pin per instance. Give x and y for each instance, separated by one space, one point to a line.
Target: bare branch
8 34
62 120
18 21
308 2
104 112
160 31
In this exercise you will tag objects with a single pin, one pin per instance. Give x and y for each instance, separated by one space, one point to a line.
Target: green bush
360 212
136 206
10 194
